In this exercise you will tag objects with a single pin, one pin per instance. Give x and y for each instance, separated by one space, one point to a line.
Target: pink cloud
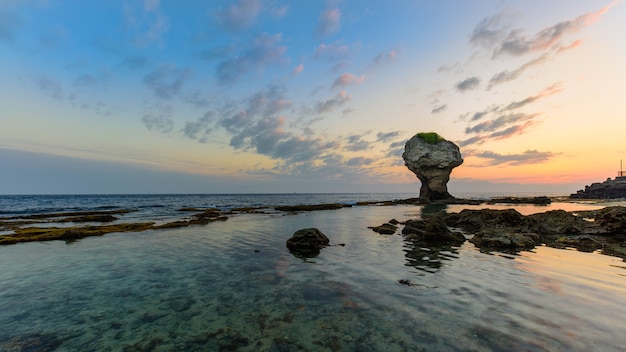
348 79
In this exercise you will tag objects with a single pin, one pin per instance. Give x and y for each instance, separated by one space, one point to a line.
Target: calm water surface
234 286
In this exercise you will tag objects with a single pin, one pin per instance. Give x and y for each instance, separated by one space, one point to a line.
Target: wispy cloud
9 25
333 51
439 108
166 81
297 70
347 79
329 22
356 143
50 87
527 157
468 84
148 24
553 89
387 136
263 51
160 121
499 122
516 43
328 105
239 16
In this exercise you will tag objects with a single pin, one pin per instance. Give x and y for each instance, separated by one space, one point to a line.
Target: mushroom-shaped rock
431 158
307 243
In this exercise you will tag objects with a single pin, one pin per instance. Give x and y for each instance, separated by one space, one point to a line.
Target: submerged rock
385 229
307 243
432 158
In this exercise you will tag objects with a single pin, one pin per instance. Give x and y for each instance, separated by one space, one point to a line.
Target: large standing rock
307 242
432 158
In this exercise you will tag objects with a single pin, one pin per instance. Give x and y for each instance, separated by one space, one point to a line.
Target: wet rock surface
509 231
307 243
432 162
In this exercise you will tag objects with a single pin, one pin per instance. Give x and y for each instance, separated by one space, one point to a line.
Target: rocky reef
509 231
431 158
609 189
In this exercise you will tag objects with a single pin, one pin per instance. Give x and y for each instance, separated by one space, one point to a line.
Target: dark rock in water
613 219
474 221
385 229
307 243
541 200
557 222
432 231
432 158
505 240
609 189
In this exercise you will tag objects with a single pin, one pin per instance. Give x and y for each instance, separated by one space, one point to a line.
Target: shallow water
234 286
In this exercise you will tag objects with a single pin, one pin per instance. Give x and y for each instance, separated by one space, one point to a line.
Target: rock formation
432 158
307 243
609 189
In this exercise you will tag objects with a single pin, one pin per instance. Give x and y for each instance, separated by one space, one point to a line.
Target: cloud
166 81
384 58
161 121
553 89
439 108
347 79
328 23
325 106
269 102
527 157
149 25
279 11
263 51
334 51
499 122
506 75
50 87
355 143
386 136
297 70
240 16
467 84
518 44
359 161
135 62
86 80
9 25
200 129
490 31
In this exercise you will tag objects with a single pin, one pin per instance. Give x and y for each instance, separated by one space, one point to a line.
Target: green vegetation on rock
430 137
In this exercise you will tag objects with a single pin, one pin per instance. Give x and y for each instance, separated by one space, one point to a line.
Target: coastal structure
431 158
609 189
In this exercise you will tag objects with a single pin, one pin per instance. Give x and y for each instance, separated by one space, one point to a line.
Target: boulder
432 158
385 229
307 243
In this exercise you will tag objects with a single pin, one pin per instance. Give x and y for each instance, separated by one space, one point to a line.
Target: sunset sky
258 96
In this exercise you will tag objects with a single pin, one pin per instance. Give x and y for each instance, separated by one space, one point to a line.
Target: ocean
234 286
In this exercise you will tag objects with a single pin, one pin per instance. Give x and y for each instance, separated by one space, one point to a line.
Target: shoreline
28 228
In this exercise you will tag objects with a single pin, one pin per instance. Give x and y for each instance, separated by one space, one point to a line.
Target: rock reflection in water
426 257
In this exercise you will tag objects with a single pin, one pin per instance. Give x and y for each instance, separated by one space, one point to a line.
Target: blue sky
149 96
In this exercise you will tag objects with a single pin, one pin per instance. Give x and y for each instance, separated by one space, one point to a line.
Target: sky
276 96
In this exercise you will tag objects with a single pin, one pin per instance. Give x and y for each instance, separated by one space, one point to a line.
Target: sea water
233 285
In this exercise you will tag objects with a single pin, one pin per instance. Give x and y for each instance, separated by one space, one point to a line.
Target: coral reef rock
432 162
307 243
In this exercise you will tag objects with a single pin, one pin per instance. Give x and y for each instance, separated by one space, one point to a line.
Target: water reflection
426 257
432 209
